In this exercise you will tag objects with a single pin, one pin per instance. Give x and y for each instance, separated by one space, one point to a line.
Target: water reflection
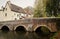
22 35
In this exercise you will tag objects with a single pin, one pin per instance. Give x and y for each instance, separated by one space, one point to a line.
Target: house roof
29 10
15 8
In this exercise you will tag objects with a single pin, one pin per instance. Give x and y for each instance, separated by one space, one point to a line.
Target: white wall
11 15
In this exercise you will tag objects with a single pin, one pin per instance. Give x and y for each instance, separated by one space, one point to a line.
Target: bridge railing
31 20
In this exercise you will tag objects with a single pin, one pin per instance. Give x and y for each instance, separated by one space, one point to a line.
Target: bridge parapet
31 24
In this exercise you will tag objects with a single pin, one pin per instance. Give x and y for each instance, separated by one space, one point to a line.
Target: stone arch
21 26
42 26
5 26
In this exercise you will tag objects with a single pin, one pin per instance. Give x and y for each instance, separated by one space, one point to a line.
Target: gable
7 7
11 7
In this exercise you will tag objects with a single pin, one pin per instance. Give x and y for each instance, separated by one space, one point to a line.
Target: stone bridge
31 24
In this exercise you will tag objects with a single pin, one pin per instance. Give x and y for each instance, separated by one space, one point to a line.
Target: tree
39 10
37 13
52 8
47 8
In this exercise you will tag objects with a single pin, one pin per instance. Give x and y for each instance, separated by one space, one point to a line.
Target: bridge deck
28 19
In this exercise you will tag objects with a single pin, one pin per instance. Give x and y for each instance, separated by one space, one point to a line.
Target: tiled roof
28 10
16 8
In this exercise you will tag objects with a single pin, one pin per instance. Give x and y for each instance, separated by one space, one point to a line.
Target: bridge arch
43 26
5 27
20 26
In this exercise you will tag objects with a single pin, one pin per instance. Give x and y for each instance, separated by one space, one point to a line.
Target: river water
22 35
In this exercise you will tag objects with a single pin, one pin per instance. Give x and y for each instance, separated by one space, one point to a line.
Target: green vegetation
38 13
45 30
47 8
39 10
54 36
52 8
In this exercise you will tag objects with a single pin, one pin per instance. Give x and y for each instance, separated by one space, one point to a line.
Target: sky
21 3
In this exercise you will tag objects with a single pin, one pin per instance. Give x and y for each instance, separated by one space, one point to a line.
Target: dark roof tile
16 8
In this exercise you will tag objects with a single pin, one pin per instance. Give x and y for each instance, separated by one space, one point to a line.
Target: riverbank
56 35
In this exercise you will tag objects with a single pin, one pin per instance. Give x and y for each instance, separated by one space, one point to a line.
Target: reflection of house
11 12
29 11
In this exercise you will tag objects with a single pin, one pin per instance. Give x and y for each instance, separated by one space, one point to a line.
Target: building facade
11 12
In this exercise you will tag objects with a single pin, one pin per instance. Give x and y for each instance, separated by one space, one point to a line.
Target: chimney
9 2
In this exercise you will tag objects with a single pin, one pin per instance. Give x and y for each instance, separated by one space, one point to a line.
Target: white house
11 12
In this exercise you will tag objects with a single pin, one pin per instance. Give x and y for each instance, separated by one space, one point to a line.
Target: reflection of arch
42 26
5 27
22 26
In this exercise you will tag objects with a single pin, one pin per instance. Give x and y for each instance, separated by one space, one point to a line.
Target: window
5 14
17 15
15 18
6 8
14 14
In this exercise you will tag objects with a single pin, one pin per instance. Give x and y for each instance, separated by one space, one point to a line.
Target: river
22 35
